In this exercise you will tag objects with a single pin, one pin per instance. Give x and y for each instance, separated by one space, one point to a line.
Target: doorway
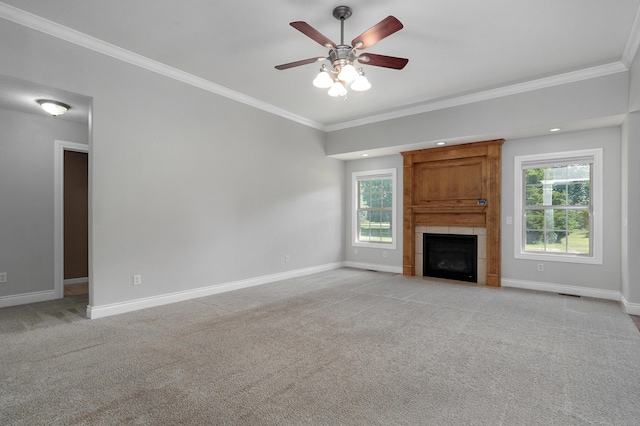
71 218
76 223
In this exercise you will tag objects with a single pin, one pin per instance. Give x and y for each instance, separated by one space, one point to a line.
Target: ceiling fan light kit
340 71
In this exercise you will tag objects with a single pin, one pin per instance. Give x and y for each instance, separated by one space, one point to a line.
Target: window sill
386 246
562 258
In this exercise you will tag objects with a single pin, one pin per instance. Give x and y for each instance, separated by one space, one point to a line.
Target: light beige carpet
345 347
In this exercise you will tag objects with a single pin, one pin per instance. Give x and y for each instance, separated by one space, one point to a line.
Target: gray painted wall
492 119
188 188
372 258
631 191
604 277
27 197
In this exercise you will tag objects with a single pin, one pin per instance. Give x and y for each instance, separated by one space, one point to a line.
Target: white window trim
384 174
598 203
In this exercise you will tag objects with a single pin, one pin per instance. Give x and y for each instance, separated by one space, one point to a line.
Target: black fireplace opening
450 256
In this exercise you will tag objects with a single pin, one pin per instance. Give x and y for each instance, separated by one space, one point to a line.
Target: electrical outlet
3 277
137 279
384 254
287 258
540 267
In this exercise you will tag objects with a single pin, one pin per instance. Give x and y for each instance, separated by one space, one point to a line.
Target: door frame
58 212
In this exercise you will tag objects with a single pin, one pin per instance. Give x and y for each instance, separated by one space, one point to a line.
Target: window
558 206
374 208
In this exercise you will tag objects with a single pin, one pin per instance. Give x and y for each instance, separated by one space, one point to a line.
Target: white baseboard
375 267
95 312
562 288
26 298
81 280
628 307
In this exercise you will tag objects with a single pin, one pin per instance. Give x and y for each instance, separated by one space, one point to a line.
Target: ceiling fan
341 71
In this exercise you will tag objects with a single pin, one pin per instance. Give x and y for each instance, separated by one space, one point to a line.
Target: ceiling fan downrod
343 54
341 13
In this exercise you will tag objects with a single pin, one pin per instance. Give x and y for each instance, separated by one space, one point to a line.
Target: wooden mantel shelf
454 186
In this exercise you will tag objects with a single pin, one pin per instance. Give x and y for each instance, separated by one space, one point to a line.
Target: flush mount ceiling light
53 107
340 71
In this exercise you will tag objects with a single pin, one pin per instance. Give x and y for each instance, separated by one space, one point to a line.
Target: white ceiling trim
633 42
514 89
54 29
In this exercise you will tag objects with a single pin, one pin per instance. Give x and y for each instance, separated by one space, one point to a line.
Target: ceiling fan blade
383 61
382 29
312 33
298 63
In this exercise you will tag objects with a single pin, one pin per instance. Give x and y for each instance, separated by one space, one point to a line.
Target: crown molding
54 29
633 42
514 89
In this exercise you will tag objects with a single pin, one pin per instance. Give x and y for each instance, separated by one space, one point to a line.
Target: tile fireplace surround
459 230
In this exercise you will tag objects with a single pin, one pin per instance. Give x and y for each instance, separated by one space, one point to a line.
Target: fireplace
453 190
451 256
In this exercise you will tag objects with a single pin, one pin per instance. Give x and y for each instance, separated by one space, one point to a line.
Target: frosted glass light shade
53 107
361 84
323 80
348 73
337 89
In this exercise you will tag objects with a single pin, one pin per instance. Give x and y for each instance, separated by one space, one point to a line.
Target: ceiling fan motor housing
341 56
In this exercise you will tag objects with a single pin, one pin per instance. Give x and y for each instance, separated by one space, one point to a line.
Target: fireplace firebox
451 256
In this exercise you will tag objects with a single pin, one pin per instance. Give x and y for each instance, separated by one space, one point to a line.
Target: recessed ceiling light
555 129
441 143
365 155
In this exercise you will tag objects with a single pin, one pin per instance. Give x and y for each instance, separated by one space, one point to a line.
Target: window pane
556 241
555 172
388 185
385 227
559 220
579 171
533 176
558 194
534 195
376 193
365 194
578 220
534 241
535 219
387 201
374 227
579 194
579 243
375 218
364 226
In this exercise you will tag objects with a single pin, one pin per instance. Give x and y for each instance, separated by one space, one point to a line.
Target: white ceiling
454 47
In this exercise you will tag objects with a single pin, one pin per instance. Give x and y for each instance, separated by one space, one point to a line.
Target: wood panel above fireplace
454 186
